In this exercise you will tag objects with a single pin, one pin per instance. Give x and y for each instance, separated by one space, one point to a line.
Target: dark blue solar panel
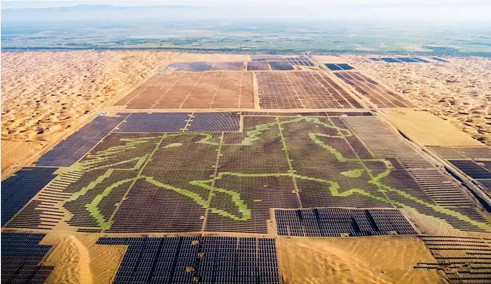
406 59
390 60
332 222
439 59
345 66
420 60
21 254
333 67
79 143
18 189
197 260
214 122
154 122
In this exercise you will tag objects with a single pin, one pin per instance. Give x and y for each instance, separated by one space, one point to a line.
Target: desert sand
78 259
458 91
428 129
48 95
355 260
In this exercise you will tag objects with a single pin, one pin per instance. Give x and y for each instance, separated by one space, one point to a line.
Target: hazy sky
46 4
453 12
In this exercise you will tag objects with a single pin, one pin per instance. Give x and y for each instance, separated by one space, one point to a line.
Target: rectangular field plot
469 257
197 260
301 90
206 66
373 91
21 257
335 222
215 175
78 144
193 90
18 189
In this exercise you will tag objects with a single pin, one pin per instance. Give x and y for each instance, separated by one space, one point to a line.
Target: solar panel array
178 122
401 59
214 122
18 189
472 169
376 93
338 66
463 259
206 66
154 122
334 222
197 260
21 255
301 90
79 143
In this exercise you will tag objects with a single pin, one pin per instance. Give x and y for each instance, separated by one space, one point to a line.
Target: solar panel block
79 143
18 189
472 169
214 122
334 222
21 255
154 122
197 260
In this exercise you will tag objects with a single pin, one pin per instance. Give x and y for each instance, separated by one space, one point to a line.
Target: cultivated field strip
338 222
200 259
463 259
301 90
373 91
193 90
21 257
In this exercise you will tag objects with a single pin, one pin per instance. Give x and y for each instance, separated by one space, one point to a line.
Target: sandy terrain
355 260
459 91
77 259
428 129
45 95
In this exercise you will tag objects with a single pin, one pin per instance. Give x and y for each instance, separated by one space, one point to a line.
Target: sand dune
46 95
458 91
78 260
354 260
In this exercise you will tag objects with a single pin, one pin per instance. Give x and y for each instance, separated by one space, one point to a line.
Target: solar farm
202 169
